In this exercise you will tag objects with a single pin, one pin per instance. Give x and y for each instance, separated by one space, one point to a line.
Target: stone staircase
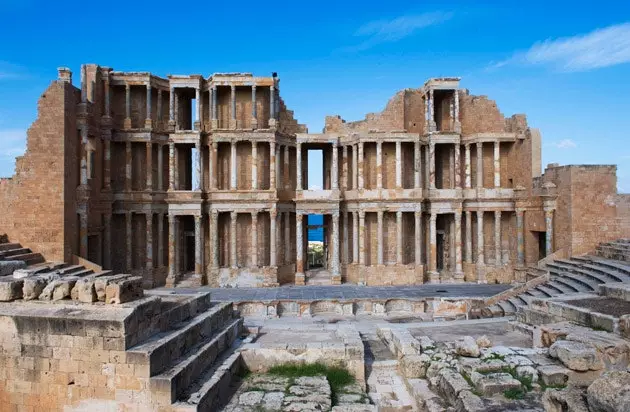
191 359
579 274
15 252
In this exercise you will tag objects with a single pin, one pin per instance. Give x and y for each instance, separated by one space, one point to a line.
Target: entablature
489 138
139 136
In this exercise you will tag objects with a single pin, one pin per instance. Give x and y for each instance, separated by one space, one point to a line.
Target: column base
434 277
148 124
481 274
232 124
300 279
171 280
335 279
254 124
458 277
127 123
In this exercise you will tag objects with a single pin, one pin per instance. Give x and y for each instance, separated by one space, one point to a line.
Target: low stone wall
244 277
384 275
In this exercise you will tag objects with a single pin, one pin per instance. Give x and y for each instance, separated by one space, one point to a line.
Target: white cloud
12 142
603 47
385 31
565 144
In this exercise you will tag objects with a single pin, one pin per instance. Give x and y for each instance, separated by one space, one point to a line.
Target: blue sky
563 64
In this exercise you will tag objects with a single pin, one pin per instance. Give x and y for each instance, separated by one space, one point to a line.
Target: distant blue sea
316 235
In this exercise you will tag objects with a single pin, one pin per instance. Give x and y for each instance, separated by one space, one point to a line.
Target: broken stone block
553 375
83 290
527 372
34 285
415 366
611 392
100 284
8 267
124 290
570 399
467 347
23 273
493 383
483 342
450 383
577 356
59 289
469 402
10 289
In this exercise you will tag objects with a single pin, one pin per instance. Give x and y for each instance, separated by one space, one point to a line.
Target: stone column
215 119
427 161
148 123
159 109
335 244
361 237
214 224
198 165
299 243
355 173
434 276
286 173
298 167
520 236
451 168
497 165
379 165
432 125
458 172
344 232
233 107
287 237
417 165
432 165
83 232
84 155
272 165
398 166
127 123
199 103
279 177
272 107
273 216
459 272
355 237
497 238
468 236
254 114
107 240
149 184
335 167
160 240
198 246
254 165
233 165
344 169
467 166
399 238
481 276
107 112
233 260
128 239
128 166
171 166
418 236
458 124
479 165
171 108
360 165
160 167
213 167
379 237
548 232
107 160
426 114
172 240
149 250
254 246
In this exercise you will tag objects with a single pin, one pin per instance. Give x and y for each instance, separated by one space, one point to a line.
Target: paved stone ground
447 290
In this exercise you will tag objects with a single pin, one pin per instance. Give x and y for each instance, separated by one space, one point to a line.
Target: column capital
299 217
335 213
254 215
233 215
479 145
362 214
214 213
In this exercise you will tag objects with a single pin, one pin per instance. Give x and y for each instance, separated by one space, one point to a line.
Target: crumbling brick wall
478 114
38 203
623 214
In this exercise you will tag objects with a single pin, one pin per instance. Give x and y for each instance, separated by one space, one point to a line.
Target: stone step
212 389
29 258
560 287
613 264
548 290
83 272
587 282
13 252
508 307
598 277
190 280
572 284
71 269
9 246
163 348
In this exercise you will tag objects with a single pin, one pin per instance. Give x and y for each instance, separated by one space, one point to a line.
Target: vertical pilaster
298 166
148 123
432 165
427 161
468 236
344 232
434 276
215 119
198 106
213 167
159 109
233 258
468 183
361 237
149 249
160 168
272 165
171 166
233 165
172 228
279 174
299 244
233 107
520 236
335 246
432 125
497 238
106 85
479 165
497 165
83 233
399 238
128 239
214 230
355 237
273 255
128 166
127 123
149 183
344 168
459 272
107 164
481 276
417 165
254 165
458 125
286 172
379 165
418 236
254 122
548 232
355 156
272 107
398 165
335 167
254 247
379 237
288 259
458 172
160 240
171 108
360 165
198 246
84 155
